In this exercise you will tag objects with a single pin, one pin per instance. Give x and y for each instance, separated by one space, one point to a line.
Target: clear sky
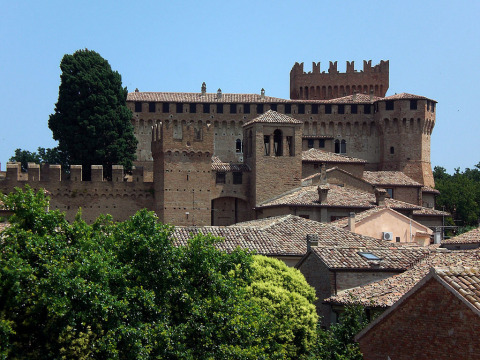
240 47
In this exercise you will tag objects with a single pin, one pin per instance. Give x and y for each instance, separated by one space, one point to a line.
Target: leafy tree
125 291
91 121
50 156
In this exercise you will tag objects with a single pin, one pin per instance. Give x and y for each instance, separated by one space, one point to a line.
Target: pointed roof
273 117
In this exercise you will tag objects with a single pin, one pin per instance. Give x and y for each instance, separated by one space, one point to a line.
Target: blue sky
240 47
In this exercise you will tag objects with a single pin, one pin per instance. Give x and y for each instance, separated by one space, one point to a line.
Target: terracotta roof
470 237
360 98
391 258
429 211
317 155
396 178
273 117
405 96
198 97
359 216
428 189
464 280
386 292
218 165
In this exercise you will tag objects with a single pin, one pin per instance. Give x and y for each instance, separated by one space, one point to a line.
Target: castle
215 159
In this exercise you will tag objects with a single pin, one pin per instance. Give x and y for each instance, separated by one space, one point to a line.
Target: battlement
382 66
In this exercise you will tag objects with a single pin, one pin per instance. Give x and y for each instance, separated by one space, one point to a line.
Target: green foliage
124 291
50 156
91 121
459 194
338 343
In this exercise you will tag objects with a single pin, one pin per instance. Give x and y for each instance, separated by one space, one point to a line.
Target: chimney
380 195
219 94
354 96
136 90
323 175
351 222
371 95
312 240
262 94
322 193
204 89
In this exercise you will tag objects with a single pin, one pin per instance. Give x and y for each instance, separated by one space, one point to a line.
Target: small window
369 256
219 108
337 146
193 108
151 107
206 108
328 109
397 239
165 107
304 216
433 106
288 108
259 108
392 150
390 192
277 142
353 108
321 143
246 108
413 104
138 106
301 108
233 108
198 134
238 146
310 143
237 178
266 144
343 147
389 105
341 109
367 109
273 107
179 108
220 178
315 109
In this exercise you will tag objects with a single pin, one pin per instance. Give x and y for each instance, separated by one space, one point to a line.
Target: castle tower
273 150
182 161
405 123
317 85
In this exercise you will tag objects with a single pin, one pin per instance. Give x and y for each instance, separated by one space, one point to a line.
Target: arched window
340 147
238 146
337 146
277 142
392 150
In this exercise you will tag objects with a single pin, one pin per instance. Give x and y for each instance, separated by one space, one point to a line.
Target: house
468 240
438 318
386 224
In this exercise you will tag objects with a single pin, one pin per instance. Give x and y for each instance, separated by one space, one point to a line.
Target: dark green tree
91 121
42 155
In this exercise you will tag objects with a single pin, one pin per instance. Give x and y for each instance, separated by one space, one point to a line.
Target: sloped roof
395 178
405 96
470 237
464 280
317 155
198 97
218 165
359 98
428 189
386 292
273 117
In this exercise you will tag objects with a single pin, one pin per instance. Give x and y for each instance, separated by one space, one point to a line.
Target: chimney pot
219 93
351 222
380 195
312 240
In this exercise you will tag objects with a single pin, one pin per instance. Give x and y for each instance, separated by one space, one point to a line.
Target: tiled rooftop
428 189
198 97
470 237
465 281
396 178
386 292
359 216
405 96
218 165
273 117
360 98
317 155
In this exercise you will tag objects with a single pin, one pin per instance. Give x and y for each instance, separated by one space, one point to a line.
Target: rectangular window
367 109
353 108
151 107
288 108
413 104
321 143
341 109
433 106
310 143
273 107
206 108
237 178
389 104
233 108
138 106
193 108
246 108
220 178
390 192
165 107
179 107
315 109
259 108
301 108
219 108
266 144
328 109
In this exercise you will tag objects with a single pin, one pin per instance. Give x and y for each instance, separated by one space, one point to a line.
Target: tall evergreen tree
91 121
